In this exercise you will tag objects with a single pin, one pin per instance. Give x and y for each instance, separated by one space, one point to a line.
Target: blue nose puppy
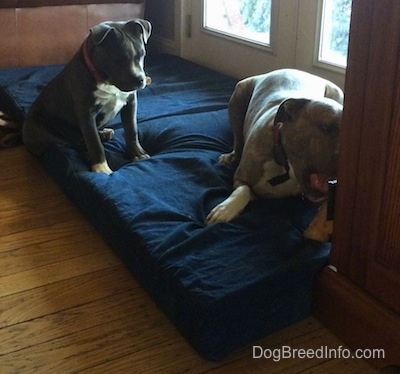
100 81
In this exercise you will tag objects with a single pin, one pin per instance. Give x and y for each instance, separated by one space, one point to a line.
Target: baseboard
356 318
160 44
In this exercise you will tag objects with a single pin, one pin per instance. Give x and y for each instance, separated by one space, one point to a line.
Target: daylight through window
335 27
250 20
245 19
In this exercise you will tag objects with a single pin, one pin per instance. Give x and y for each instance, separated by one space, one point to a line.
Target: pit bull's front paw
230 208
102 167
224 212
227 158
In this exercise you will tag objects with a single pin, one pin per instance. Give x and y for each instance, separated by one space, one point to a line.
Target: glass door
241 37
322 38
248 37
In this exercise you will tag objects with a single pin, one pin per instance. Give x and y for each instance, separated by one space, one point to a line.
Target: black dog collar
279 156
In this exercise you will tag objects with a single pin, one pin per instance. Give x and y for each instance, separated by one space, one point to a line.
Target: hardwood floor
68 305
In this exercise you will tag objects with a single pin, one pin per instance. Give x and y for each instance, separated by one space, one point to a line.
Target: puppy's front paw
102 167
141 156
106 134
138 153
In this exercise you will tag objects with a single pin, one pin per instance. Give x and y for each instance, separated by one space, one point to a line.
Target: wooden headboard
39 32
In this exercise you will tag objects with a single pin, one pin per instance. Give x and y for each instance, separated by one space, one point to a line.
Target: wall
31 35
165 18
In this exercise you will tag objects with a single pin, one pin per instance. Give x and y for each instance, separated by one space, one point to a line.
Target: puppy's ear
102 32
289 109
139 26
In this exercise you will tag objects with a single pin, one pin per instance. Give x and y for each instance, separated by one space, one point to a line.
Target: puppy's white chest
110 99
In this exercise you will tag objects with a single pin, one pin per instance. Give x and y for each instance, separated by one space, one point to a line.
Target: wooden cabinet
361 300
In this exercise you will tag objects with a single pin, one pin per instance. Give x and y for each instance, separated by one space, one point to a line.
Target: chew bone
320 229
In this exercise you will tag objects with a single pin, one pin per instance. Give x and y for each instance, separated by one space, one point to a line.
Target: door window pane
244 19
335 27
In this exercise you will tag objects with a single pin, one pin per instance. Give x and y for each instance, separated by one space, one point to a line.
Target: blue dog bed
224 285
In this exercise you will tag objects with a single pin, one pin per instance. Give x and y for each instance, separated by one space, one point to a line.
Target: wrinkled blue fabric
224 285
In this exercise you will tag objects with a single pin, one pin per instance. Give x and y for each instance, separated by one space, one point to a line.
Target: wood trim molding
357 319
40 3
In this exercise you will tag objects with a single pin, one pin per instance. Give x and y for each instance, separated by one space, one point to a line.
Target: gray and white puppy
100 81
286 139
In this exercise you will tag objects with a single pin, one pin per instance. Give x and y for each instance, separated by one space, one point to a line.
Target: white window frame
270 48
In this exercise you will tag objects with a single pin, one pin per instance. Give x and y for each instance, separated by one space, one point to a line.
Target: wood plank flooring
68 305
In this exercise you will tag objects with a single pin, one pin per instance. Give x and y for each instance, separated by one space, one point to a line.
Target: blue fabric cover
224 285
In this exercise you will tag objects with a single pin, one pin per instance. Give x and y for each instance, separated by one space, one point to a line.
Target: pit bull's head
117 51
310 138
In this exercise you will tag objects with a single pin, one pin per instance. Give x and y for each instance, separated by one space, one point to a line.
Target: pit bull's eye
328 128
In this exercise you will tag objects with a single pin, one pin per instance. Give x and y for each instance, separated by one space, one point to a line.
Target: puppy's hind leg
238 105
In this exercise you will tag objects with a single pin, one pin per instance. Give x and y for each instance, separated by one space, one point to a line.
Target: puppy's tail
10 131
11 119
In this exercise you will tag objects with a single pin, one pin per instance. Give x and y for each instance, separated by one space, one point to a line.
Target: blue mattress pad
223 285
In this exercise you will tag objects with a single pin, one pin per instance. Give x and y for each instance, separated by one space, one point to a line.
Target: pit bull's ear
101 32
289 109
139 26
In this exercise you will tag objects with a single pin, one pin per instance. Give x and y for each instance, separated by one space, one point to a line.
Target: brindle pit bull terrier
286 139
100 81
